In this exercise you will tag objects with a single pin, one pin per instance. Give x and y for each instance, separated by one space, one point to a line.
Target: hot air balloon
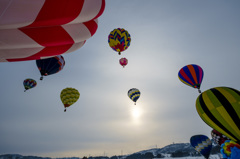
230 149
134 94
191 75
119 40
202 144
29 83
218 138
123 61
69 96
50 65
219 107
39 29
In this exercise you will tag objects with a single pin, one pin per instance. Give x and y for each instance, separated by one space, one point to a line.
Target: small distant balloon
50 66
219 107
69 96
191 75
29 83
119 40
134 94
202 144
123 61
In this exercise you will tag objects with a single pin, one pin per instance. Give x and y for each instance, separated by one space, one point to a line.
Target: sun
136 112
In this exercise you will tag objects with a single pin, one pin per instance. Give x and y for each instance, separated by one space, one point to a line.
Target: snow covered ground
199 157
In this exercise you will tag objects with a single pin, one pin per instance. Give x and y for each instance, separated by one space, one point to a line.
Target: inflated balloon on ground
202 144
230 150
218 138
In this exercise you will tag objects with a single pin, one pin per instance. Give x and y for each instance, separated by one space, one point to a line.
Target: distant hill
174 150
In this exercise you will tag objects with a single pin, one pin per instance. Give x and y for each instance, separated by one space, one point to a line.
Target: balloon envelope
191 75
218 138
119 40
219 107
202 144
40 29
134 94
69 96
50 65
123 61
29 83
230 149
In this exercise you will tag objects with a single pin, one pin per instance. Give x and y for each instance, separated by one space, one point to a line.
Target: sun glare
136 112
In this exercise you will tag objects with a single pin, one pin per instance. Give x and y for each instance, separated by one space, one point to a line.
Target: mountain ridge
184 149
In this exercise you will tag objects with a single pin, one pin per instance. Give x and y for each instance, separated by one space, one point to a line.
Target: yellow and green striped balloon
219 107
69 96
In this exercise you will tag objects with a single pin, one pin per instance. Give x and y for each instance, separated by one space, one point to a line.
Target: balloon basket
199 91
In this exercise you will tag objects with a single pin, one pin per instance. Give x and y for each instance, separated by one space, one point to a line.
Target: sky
165 36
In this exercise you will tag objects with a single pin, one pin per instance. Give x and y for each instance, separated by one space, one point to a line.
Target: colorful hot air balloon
50 65
69 96
119 40
218 138
134 94
39 29
29 83
191 75
230 150
219 107
202 144
123 61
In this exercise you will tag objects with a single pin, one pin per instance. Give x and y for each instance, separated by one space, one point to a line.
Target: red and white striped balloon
31 30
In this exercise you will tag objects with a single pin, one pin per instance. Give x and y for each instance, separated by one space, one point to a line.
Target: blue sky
166 35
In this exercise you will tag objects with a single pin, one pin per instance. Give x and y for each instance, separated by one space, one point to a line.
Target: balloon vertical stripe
228 107
193 73
49 36
199 73
220 108
101 10
186 77
51 10
92 26
207 115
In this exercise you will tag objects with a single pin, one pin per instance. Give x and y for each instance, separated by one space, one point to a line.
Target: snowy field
199 157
